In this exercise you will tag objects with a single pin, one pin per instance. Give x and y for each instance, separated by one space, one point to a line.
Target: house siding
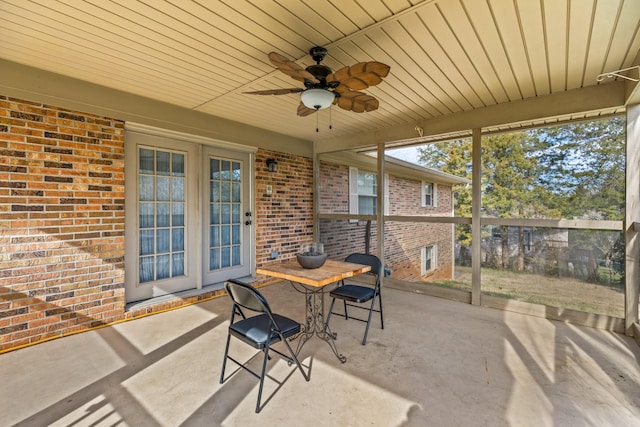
62 221
403 241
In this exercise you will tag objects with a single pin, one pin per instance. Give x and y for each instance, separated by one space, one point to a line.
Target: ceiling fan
324 87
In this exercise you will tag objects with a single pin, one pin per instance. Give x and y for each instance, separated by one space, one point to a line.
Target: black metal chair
360 293
260 331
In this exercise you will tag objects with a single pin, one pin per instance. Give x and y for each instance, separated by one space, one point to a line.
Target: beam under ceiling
606 96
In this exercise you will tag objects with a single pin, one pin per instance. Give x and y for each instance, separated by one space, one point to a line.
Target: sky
408 154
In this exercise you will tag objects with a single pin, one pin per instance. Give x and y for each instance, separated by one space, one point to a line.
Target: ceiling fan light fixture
317 99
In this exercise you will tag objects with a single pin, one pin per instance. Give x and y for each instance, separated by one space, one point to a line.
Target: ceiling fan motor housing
318 53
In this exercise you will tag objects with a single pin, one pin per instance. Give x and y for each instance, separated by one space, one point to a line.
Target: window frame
434 194
354 194
433 250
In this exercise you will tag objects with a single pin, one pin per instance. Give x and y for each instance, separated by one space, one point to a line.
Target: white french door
188 220
227 229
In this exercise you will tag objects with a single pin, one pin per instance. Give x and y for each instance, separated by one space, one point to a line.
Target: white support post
380 206
316 196
632 217
476 231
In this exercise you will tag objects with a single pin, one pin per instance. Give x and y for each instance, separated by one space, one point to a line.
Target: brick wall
403 241
61 221
284 218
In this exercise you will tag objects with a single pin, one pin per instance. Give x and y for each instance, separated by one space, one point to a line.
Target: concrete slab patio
436 363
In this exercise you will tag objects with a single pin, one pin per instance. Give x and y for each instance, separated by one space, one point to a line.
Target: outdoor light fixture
272 165
317 99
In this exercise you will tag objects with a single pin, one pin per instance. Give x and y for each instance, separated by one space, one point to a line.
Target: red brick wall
61 221
403 241
284 218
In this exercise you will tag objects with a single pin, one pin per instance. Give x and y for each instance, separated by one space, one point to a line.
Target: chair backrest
367 259
247 296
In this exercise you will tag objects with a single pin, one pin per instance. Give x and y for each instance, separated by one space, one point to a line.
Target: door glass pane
177 189
162 210
235 171
214 236
146 242
214 213
214 165
225 260
162 188
225 235
146 161
177 164
225 170
177 239
146 215
235 255
225 190
177 264
177 216
225 214
146 189
235 192
162 240
235 232
214 192
163 270
146 269
235 213
161 205
162 161
214 259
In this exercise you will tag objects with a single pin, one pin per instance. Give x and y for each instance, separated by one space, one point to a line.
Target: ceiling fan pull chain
330 127
317 121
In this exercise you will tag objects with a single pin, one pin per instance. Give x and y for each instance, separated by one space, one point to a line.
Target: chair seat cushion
353 293
255 330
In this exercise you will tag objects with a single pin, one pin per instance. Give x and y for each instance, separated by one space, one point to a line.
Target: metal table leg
315 323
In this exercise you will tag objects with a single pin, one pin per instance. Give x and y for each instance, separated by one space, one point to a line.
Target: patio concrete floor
436 363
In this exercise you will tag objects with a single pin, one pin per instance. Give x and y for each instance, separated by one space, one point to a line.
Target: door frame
131 190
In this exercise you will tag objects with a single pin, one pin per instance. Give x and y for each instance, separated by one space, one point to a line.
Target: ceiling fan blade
358 102
290 68
361 75
275 91
304 111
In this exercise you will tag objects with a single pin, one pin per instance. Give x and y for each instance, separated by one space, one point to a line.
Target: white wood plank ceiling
446 56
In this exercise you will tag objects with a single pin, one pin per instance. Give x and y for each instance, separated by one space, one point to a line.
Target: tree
585 167
570 171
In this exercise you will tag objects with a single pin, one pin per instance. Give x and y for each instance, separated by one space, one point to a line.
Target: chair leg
295 359
346 315
262 375
366 330
224 361
380 304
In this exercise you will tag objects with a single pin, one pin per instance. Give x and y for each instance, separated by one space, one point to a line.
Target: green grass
563 292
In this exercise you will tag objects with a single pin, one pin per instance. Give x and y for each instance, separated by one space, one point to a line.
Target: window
363 191
429 259
429 194
367 192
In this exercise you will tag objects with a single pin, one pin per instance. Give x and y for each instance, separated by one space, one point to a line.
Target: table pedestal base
315 323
